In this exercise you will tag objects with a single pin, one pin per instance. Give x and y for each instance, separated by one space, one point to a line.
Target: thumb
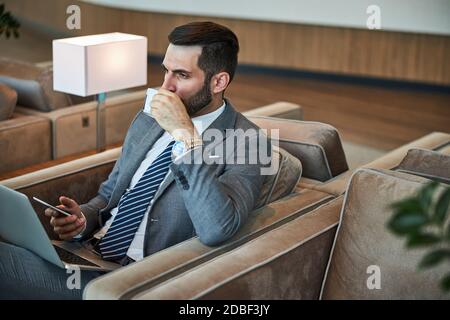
71 205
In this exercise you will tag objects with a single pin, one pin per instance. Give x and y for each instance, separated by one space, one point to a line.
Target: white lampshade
100 63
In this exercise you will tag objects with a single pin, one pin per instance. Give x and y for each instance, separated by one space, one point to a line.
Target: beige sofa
307 259
24 140
80 179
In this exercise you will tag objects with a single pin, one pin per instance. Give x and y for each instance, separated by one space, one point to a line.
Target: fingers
51 213
63 220
166 92
69 227
69 203
71 234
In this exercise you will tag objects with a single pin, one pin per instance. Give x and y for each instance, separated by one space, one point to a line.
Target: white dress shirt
136 249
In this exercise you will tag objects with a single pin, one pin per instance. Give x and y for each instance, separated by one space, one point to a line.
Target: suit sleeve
219 203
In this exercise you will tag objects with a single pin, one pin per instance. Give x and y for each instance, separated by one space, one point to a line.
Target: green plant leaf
433 258
404 222
425 195
445 283
422 239
410 204
441 209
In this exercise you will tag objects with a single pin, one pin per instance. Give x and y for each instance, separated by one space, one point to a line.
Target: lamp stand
101 130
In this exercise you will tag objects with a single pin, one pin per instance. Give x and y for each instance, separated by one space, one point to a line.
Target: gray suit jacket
209 200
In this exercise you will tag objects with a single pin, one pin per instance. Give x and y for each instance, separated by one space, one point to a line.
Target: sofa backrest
364 248
427 163
284 181
317 145
8 100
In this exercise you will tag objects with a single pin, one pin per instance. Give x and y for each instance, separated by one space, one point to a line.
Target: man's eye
183 76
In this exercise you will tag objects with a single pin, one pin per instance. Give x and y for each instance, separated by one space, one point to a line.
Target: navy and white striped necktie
132 207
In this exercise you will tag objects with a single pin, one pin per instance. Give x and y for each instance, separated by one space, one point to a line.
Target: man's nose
169 83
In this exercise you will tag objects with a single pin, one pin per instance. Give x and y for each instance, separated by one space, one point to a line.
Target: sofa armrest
286 263
433 141
129 281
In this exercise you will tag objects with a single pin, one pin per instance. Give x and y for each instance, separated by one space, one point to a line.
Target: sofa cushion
8 100
365 248
316 144
284 181
427 163
34 85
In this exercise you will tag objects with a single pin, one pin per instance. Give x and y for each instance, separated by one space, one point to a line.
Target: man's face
185 78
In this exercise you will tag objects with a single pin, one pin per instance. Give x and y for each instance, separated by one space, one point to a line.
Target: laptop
20 226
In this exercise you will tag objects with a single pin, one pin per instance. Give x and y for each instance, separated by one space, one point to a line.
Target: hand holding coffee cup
148 101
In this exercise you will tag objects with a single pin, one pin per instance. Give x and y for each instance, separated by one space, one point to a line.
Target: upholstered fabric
427 163
34 85
129 281
316 144
362 241
439 141
24 141
284 181
281 109
285 263
74 128
8 100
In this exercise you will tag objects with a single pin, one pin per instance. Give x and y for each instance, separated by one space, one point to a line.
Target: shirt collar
201 123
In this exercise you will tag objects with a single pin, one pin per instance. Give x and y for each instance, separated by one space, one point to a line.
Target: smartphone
148 99
52 207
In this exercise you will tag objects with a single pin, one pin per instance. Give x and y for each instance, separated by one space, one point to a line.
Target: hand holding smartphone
52 207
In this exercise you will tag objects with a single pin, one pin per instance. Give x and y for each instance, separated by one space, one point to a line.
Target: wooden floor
370 115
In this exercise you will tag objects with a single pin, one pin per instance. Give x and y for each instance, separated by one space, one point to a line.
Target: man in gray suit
150 202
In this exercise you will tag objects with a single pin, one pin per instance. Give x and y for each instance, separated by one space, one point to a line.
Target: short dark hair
220 46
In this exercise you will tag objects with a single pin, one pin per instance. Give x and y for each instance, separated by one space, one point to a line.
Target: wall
415 16
406 56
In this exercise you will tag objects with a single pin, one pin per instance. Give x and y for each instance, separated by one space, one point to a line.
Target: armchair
298 260
72 178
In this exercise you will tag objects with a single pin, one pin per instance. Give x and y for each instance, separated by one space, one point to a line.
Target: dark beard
199 100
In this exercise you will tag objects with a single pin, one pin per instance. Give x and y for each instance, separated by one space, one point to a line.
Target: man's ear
219 82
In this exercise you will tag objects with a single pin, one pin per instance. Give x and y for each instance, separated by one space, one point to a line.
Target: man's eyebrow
176 70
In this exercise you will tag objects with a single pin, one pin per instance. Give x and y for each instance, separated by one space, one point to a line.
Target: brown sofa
306 259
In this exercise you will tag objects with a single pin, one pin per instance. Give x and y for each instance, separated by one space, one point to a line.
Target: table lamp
97 64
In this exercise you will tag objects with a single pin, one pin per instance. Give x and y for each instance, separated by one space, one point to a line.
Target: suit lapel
225 121
138 152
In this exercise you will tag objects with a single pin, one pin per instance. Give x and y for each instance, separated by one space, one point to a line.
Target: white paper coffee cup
148 99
